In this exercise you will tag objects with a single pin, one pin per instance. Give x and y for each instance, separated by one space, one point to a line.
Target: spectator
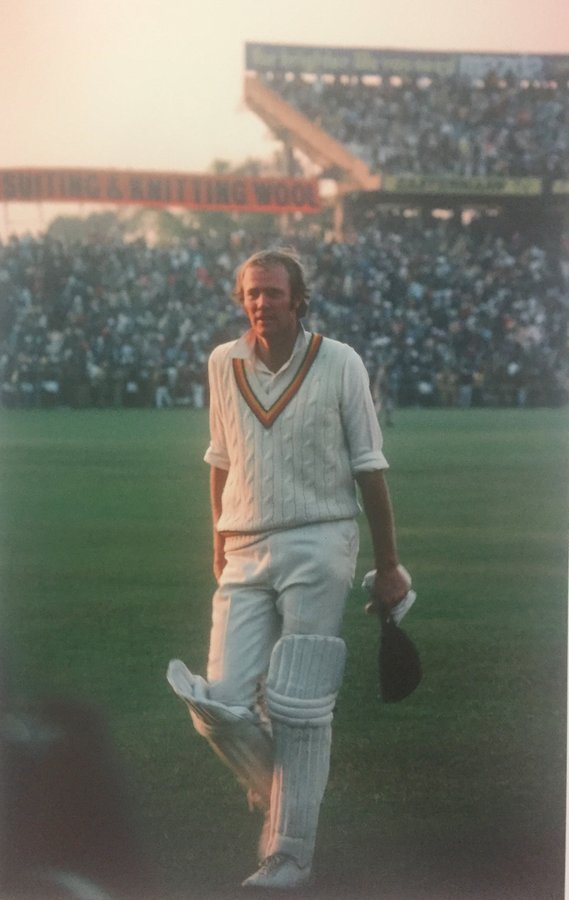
163 399
426 300
441 126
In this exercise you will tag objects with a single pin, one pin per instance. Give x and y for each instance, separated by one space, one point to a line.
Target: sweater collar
244 347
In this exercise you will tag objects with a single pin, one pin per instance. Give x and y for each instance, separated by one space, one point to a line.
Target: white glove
400 609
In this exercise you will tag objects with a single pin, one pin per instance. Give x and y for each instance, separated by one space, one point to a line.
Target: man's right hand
217 480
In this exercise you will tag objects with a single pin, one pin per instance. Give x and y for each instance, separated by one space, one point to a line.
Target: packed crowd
441 126
442 314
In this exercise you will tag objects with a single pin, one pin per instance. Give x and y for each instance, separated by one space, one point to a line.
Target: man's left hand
390 587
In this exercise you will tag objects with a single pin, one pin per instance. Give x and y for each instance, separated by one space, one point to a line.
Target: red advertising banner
229 193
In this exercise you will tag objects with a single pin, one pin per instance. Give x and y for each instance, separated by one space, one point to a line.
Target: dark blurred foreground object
65 829
399 664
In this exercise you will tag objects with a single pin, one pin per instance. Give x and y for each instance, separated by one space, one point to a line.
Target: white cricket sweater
299 468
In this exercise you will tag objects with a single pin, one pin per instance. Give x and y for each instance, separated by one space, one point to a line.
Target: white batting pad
194 690
233 732
305 674
304 677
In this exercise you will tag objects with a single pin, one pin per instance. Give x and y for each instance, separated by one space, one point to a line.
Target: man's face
268 303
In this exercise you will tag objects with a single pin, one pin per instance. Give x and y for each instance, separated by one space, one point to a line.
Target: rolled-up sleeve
359 418
216 454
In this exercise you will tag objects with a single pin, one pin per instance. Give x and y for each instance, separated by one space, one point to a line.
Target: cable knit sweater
291 444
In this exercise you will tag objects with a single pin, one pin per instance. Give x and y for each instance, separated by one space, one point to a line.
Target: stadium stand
446 265
449 313
421 113
435 126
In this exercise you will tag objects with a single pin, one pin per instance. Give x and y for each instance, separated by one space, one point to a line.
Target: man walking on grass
293 430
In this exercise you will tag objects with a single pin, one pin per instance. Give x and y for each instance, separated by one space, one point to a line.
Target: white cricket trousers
294 581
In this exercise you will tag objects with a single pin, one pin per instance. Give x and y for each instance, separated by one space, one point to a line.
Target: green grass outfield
458 792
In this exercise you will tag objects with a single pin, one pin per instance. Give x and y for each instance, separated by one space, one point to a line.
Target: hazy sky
157 84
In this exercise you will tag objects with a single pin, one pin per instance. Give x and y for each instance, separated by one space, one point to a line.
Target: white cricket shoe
279 872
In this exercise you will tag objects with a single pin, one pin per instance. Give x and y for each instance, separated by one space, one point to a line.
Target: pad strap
305 675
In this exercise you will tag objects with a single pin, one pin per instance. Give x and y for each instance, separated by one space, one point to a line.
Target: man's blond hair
278 257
